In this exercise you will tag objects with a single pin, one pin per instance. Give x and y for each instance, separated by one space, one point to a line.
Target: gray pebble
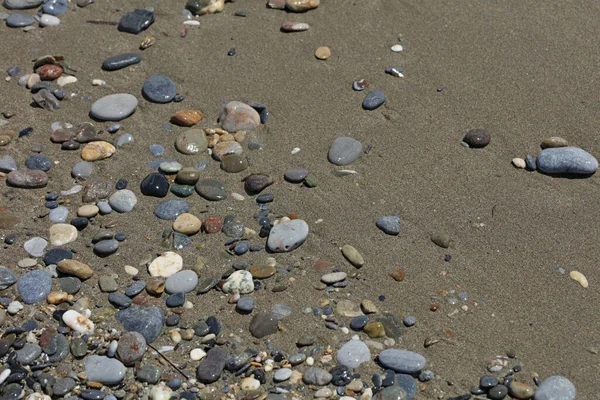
171 209
389 224
18 20
159 88
34 286
106 247
295 175
373 100
344 150
59 215
83 169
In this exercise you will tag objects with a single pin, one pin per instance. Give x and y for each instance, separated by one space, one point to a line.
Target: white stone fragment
78 322
166 264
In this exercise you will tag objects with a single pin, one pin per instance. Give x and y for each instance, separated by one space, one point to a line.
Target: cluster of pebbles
136 339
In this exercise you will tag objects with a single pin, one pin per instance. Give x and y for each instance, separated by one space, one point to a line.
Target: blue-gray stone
566 160
104 207
211 368
135 288
39 162
122 201
22 4
108 371
389 224
373 100
555 388
55 7
121 61
147 321
92 394
113 128
175 300
56 255
295 175
241 247
530 162
402 361
391 393
70 284
281 311
136 21
159 88
119 300
82 169
154 164
282 374
59 214
18 20
180 241
171 209
344 150
7 278
63 386
488 381
353 353
157 150
407 382
359 322
316 376
106 247
34 286
149 374
245 304
7 164
409 320
29 353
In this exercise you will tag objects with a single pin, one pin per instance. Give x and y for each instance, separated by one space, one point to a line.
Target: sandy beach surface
523 71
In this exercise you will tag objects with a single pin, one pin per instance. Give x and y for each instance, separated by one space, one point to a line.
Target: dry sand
522 70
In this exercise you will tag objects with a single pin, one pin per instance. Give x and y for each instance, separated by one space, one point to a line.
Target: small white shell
519 163
98 82
579 278
78 322
397 48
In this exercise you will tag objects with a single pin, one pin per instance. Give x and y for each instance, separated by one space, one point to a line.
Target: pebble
56 255
353 256
49 20
34 286
192 141
373 100
256 183
519 163
521 391
132 347
353 353
290 26
59 215
498 392
70 285
392 393
148 374
223 149
397 48
83 169
18 20
155 185
27 179
295 175
106 247
553 142
7 164
323 53
147 321
287 236
56 7
157 149
211 189
171 209
166 265
211 368
579 278
159 88
555 388
566 160
114 107
28 354
122 201
38 162
7 278
63 386
61 234
264 324
96 151
22 4
344 151
125 139
477 138
136 21
78 322
333 277
402 361
75 268
35 246
187 117
107 371
239 282
236 116
234 163
121 61
389 224
316 376
250 384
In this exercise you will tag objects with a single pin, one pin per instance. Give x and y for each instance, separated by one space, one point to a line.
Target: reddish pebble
49 72
213 225
434 307
398 275
187 117
289 26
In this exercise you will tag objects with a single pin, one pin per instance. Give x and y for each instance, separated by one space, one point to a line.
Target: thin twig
169 361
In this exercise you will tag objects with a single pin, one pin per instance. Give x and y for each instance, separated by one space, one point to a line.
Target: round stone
323 53
236 116
555 387
82 169
192 141
245 304
170 167
122 201
295 175
108 371
155 185
132 347
106 247
171 209
353 353
287 236
114 107
96 151
187 224
282 374
159 88
182 282
344 150
389 224
166 264
234 163
88 211
211 189
223 149
373 100
34 286
477 138
59 214
61 234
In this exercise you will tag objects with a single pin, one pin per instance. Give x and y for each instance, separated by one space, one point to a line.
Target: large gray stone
114 107
555 388
402 361
147 321
108 371
566 160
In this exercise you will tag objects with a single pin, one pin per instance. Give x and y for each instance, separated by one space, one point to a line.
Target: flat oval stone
166 264
188 176
121 61
373 100
159 88
34 286
192 141
182 282
390 224
96 151
344 150
39 162
236 116
211 189
56 7
334 277
553 142
234 163
171 209
122 201
264 324
287 236
403 361
155 185
61 234
18 20
295 175
555 387
290 26
83 169
108 371
353 353
566 160
106 247
22 4
114 107
27 179
477 138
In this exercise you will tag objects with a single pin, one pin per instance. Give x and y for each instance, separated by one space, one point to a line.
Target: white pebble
345 330
397 48
49 20
75 189
78 322
175 336
131 270
98 82
250 383
31 338
296 150
65 80
519 163
38 396
160 392
310 361
188 305
14 307
197 354
4 375
192 22
112 349
579 278
237 196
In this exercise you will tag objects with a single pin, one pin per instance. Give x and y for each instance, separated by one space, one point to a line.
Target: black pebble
51 205
26 132
155 185
120 237
121 184
477 138
231 52
70 145
10 238
80 223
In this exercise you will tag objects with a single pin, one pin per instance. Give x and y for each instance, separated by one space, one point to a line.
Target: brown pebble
434 307
262 271
323 53
27 179
398 274
553 142
156 286
187 117
97 151
279 288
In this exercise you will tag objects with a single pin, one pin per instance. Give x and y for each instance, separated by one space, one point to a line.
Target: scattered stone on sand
287 236
165 265
236 116
403 361
108 371
344 150
441 239
553 142
389 224
566 160
121 61
61 234
211 368
353 256
114 107
27 179
477 138
146 321
353 353
187 117
136 21
323 53
290 26
554 388
159 88
122 201
239 282
264 324
373 100
34 286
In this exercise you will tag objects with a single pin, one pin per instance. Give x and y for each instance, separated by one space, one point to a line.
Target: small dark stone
477 138
175 300
121 184
70 145
136 21
341 375
80 223
173 320
121 61
231 52
155 185
54 256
